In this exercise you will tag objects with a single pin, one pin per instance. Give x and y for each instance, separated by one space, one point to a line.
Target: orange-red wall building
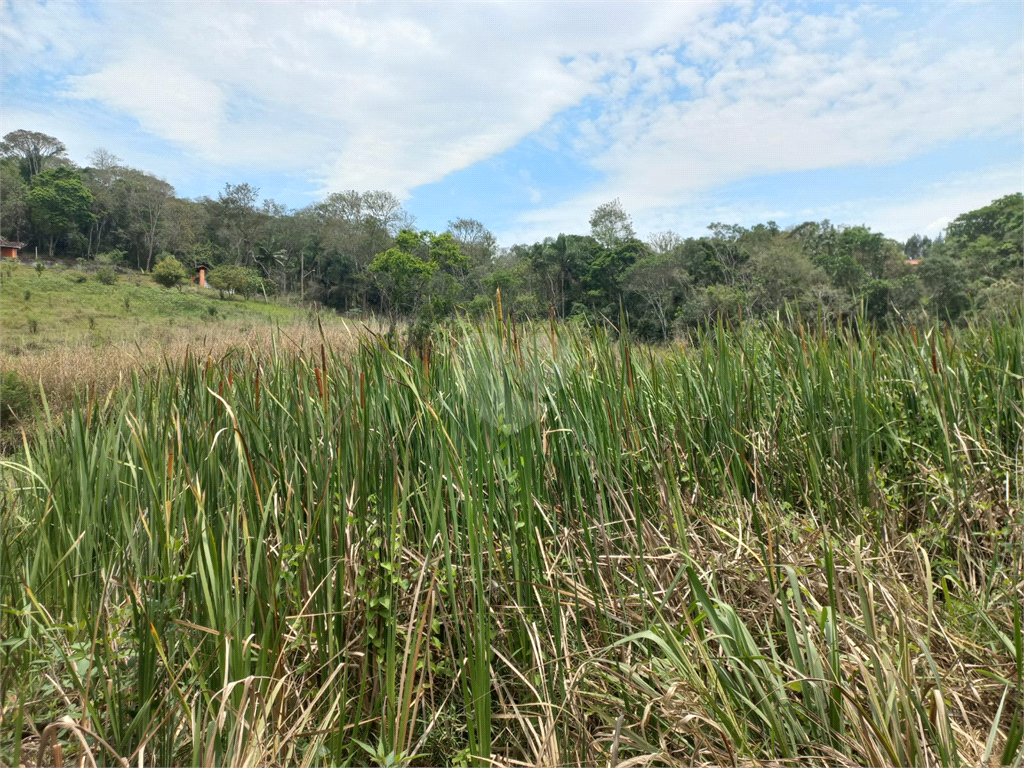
9 249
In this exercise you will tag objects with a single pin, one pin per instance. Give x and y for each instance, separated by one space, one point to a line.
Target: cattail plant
533 545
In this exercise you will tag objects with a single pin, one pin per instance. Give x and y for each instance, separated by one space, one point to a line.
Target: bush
76 277
229 278
169 272
106 275
112 258
17 401
1001 299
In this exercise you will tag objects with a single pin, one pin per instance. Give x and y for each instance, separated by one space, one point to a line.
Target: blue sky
528 115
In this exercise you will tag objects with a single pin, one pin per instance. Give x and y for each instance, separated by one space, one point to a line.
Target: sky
528 115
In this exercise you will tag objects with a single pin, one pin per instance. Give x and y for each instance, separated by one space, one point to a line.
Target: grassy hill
61 306
62 330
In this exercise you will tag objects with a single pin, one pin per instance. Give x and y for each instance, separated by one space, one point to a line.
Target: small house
9 249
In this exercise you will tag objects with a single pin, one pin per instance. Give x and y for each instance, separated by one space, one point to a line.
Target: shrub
33 325
1001 299
229 278
113 258
17 401
106 275
76 277
169 272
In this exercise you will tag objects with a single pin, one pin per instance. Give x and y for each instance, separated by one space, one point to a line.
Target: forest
360 252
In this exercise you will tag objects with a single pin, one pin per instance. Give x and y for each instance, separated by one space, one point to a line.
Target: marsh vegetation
528 545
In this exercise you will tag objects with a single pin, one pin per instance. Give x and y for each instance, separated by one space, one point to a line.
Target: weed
533 545
17 401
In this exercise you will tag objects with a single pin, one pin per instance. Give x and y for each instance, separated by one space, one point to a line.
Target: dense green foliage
230 278
358 251
169 272
58 202
17 401
532 544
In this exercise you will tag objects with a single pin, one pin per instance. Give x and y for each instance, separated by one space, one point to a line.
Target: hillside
64 330
60 305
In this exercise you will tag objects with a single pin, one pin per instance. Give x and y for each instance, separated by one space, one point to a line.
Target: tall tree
58 202
477 243
13 202
146 197
238 221
402 279
610 225
664 242
33 150
102 177
778 274
183 227
945 281
657 282
1002 219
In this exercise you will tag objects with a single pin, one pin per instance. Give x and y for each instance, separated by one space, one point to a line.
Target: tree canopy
359 251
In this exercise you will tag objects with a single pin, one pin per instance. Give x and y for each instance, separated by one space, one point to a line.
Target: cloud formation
665 100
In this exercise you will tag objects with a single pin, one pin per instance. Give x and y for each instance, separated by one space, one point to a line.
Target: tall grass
528 546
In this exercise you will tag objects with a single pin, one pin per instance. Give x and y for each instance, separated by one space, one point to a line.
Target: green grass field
67 306
528 547
63 331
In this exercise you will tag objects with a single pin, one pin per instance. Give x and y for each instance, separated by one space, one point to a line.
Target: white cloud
924 209
395 96
930 210
782 96
391 96
162 95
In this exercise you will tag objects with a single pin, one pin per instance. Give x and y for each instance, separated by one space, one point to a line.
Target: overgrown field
59 305
64 330
529 549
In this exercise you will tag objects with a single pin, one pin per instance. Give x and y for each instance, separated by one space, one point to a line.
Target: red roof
10 243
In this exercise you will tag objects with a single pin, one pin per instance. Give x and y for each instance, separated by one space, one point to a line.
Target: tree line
361 252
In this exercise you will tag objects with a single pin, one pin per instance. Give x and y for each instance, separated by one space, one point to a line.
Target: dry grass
62 369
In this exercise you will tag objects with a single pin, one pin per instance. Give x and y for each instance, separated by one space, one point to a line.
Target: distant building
201 270
9 249
913 262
